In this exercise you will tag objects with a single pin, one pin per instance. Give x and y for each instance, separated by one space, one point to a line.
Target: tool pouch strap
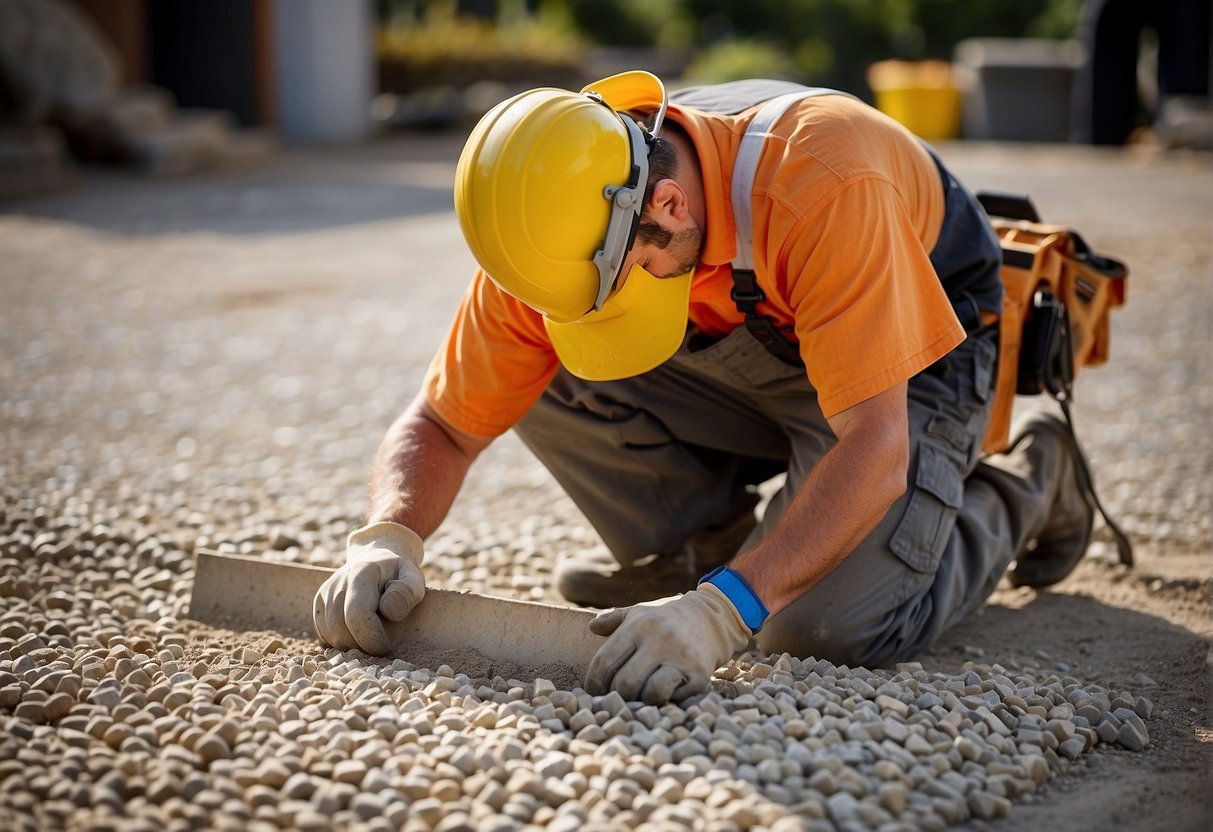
1086 483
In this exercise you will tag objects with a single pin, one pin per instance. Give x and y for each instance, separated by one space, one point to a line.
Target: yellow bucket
922 95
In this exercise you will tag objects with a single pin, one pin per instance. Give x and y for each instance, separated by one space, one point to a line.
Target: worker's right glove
381 579
666 649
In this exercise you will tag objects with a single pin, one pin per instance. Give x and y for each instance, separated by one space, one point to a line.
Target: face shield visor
638 322
627 203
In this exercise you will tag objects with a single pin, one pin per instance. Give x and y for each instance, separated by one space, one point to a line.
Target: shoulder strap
746 165
732 97
746 293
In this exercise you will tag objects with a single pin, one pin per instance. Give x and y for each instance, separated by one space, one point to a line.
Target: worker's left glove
666 649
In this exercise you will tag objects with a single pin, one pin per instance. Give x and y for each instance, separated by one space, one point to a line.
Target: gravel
110 717
171 384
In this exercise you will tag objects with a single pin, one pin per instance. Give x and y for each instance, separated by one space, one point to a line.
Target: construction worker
671 311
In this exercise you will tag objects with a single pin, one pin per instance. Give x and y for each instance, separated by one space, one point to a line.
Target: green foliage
664 24
945 22
430 45
831 42
827 42
734 60
1058 20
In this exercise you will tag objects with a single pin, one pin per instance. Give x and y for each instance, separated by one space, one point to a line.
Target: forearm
842 499
418 470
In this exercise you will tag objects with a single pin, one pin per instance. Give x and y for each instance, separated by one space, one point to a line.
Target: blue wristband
753 612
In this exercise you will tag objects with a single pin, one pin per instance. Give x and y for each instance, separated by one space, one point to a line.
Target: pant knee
899 635
811 640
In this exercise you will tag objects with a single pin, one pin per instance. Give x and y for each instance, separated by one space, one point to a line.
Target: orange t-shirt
847 206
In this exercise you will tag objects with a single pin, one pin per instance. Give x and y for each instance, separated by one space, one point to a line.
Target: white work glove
666 649
381 579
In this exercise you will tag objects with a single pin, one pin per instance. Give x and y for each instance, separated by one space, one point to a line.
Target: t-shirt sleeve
493 365
870 311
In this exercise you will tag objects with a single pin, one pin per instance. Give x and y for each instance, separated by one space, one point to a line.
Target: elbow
897 467
886 467
468 445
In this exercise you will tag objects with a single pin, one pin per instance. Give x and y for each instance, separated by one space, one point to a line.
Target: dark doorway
205 52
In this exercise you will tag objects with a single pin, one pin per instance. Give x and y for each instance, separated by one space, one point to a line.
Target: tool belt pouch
1057 292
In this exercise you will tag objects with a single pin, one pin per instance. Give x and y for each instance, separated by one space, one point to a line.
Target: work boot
1063 540
595 579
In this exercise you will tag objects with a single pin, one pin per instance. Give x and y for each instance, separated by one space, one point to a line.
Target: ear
668 202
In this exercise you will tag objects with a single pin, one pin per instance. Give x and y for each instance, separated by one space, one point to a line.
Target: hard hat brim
639 327
632 90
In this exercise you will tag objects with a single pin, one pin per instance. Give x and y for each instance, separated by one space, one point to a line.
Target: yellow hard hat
549 190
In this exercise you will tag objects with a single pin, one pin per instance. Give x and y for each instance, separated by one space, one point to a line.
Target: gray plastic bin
1017 89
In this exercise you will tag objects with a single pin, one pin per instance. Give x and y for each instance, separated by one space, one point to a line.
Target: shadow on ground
1125 649
290 192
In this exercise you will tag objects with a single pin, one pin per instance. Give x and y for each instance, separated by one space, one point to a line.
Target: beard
685 246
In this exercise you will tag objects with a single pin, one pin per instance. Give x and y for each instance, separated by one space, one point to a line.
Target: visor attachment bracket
627 203
621 195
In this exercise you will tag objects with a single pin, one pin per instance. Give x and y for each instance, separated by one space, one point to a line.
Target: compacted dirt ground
210 362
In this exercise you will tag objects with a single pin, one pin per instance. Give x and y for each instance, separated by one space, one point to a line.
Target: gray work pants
655 459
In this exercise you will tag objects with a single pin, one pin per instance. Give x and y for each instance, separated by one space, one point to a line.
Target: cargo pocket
741 359
937 495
